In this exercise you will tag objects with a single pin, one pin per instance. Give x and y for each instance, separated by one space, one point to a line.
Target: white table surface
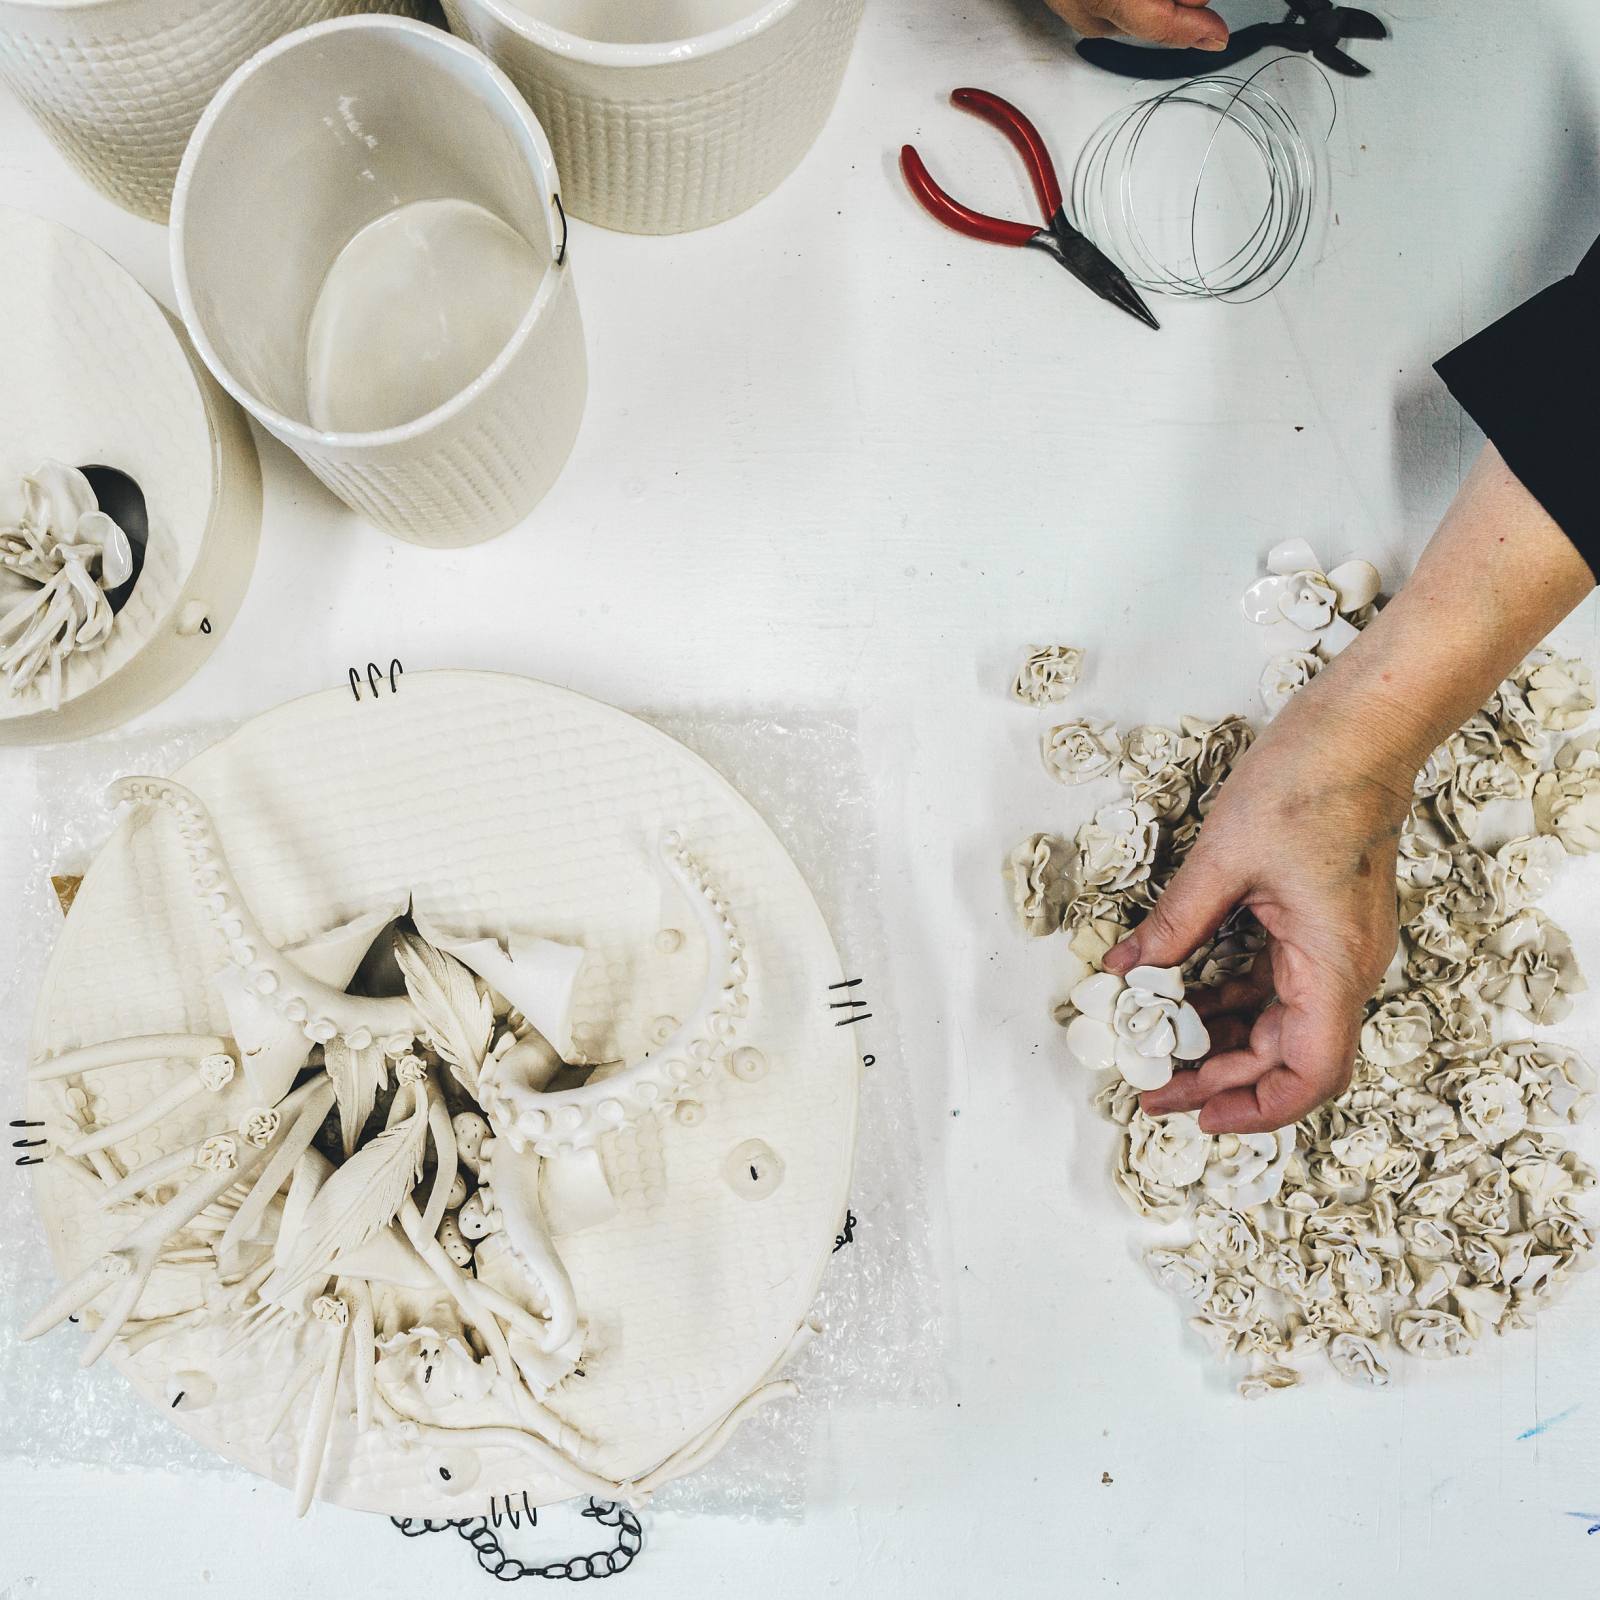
834 457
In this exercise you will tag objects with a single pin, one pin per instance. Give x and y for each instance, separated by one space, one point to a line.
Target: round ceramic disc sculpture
441 1100
98 375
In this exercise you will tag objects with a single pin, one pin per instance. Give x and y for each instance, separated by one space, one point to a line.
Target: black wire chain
498 1563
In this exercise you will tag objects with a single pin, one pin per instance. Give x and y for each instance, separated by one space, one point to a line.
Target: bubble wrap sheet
882 1342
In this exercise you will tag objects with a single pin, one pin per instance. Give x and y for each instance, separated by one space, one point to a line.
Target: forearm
1493 581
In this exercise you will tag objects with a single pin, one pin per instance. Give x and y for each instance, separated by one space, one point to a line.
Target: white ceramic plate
501 805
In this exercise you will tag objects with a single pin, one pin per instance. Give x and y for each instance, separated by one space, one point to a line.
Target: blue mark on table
1591 1517
1547 1424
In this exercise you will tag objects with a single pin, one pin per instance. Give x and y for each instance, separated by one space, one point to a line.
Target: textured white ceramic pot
319 137
120 84
669 114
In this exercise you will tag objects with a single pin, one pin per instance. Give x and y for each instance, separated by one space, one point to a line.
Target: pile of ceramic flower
1436 1200
59 555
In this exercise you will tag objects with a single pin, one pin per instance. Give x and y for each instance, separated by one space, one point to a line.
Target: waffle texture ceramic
97 374
317 137
499 805
119 84
683 142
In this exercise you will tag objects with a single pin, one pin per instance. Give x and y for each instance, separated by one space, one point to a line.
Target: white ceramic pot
120 84
370 252
97 374
669 114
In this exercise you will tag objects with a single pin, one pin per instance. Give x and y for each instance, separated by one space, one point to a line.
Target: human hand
1185 23
1303 833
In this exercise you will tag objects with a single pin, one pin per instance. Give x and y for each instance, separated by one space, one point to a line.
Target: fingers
1187 24
1186 915
1244 994
1279 1098
1245 1054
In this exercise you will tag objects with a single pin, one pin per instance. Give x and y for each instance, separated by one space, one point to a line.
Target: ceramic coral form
342 179
394 1252
94 630
120 84
60 556
672 116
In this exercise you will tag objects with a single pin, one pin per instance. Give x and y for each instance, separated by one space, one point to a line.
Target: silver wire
1105 198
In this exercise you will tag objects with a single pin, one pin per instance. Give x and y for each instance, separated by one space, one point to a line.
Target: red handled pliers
1058 237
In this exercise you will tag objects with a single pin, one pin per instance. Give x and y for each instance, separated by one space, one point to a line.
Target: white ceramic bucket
120 84
669 114
311 168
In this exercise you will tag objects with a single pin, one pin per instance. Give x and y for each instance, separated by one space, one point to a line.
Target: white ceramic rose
1118 848
1075 752
1285 676
1248 1169
1140 1025
1048 675
1306 609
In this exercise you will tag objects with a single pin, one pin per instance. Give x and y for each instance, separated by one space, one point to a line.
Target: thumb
1187 914
1183 23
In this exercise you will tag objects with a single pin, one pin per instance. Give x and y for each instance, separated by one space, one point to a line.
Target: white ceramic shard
683 1290
669 116
97 374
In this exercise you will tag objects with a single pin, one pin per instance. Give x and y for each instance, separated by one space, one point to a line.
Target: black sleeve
1529 381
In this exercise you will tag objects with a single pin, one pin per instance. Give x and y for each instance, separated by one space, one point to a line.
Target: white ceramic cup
312 160
669 114
119 84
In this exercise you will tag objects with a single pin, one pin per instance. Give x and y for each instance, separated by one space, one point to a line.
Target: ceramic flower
1216 747
1048 675
1566 801
59 557
1477 785
1167 792
1560 693
1304 607
1362 1148
1171 1151
1529 866
1158 1201
259 1126
1118 848
219 1153
1491 1109
1284 676
1267 1379
1075 752
1095 922
1247 1169
422 1370
1185 1273
1040 872
1399 1031
1150 749
1226 1234
1431 1334
1528 965
1558 1084
1463 1025
1139 1025
1359 1360
1230 1302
